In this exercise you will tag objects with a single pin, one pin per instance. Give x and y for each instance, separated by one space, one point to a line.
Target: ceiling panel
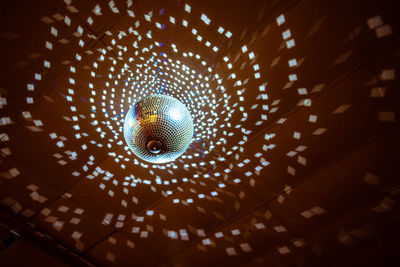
374 25
119 250
196 209
293 161
339 188
237 242
368 229
69 224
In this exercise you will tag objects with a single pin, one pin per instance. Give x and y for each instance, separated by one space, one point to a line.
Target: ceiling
294 161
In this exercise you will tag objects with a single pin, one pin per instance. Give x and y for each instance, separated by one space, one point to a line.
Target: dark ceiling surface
294 161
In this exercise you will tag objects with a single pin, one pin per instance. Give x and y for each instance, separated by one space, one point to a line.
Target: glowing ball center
158 128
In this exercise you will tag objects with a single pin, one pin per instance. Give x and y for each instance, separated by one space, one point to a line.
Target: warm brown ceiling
304 173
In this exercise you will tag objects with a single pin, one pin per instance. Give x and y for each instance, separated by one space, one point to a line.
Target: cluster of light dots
137 62
141 70
136 71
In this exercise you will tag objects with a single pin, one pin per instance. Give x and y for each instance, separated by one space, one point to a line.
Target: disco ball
158 128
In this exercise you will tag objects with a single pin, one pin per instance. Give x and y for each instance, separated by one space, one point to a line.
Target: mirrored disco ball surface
158 128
